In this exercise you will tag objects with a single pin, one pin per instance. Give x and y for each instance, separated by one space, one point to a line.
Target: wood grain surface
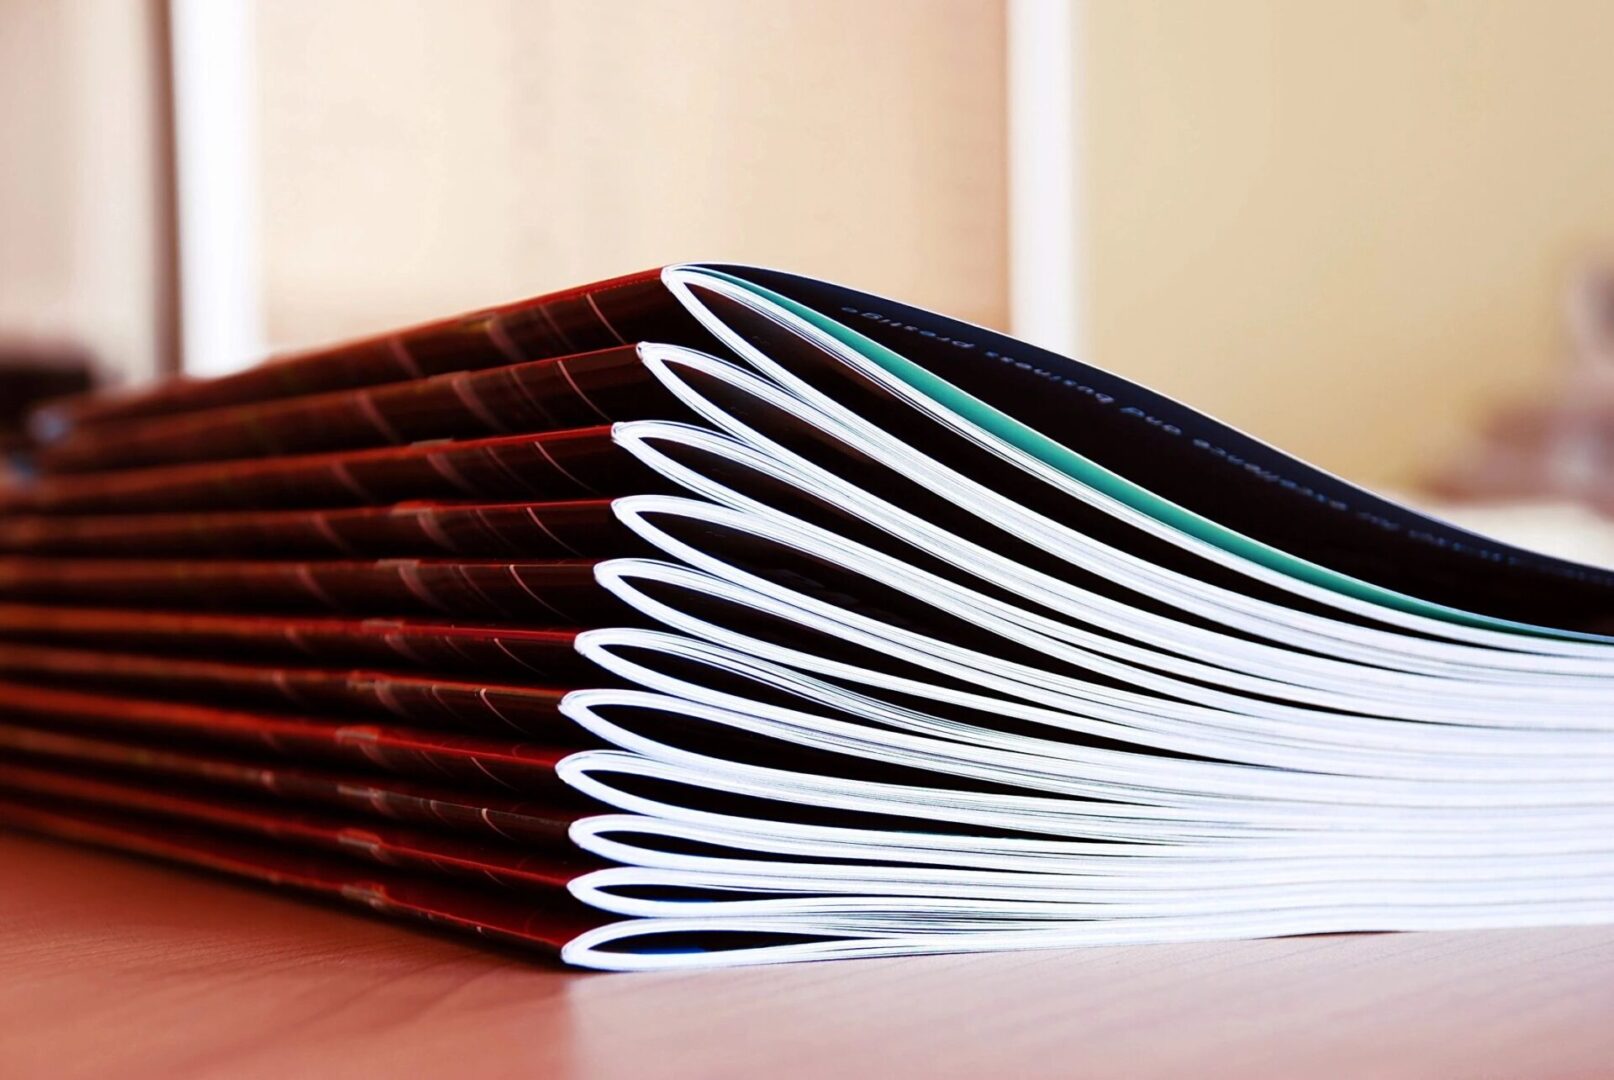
115 967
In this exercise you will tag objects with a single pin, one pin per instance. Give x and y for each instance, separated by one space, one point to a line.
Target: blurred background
1369 231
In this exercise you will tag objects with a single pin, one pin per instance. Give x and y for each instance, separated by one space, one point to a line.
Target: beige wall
77 188
421 157
1342 225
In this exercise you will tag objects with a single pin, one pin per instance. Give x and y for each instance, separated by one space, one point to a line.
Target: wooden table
115 967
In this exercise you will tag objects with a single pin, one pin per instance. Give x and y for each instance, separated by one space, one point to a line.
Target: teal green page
1123 490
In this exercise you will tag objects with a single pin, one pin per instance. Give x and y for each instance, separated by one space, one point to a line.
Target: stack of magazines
718 615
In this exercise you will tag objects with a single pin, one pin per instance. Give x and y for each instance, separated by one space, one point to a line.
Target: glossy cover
618 311
476 761
543 924
479 705
572 464
542 395
417 644
419 850
533 821
562 592
579 528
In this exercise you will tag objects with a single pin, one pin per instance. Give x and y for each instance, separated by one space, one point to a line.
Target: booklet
545 925
60 763
849 628
576 528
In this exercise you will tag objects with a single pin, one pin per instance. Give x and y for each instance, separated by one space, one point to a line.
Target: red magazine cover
544 924
561 592
579 528
478 706
478 761
542 395
571 464
419 850
422 645
533 820
617 311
